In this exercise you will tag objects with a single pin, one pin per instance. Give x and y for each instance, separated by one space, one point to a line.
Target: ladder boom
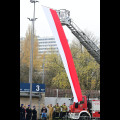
92 48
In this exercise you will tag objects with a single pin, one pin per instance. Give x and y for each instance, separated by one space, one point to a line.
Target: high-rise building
47 45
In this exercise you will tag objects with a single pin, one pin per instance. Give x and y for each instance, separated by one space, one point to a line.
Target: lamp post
31 51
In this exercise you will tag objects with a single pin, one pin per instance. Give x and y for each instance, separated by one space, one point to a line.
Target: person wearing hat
21 112
57 110
29 113
64 110
34 112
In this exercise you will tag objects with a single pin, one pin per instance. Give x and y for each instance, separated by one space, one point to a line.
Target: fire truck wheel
84 116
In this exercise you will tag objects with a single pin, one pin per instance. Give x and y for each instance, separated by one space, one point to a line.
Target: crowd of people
54 111
28 113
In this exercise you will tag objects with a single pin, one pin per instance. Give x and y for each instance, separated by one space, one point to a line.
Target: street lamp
33 1
31 51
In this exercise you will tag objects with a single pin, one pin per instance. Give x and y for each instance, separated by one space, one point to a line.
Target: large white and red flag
64 51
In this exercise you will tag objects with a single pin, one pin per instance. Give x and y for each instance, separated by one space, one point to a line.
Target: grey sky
85 13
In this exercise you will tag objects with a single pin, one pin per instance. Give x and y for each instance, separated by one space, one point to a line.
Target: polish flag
64 51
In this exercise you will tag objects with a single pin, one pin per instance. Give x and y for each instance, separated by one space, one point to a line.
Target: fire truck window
76 105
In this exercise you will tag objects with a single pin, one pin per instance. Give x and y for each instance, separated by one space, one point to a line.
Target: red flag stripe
68 55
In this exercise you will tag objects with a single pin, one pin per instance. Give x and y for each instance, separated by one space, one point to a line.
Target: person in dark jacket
25 112
44 109
34 112
21 112
29 113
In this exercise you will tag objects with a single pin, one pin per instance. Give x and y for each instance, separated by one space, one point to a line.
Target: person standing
57 110
34 112
21 112
29 113
50 111
25 113
23 118
44 108
64 110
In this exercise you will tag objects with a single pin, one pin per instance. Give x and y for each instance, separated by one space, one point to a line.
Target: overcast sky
85 13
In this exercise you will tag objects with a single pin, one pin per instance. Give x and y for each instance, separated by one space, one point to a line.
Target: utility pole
43 78
31 51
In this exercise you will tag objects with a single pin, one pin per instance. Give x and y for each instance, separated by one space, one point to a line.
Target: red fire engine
86 109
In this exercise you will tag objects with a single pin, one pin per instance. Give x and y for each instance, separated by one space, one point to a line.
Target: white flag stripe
60 48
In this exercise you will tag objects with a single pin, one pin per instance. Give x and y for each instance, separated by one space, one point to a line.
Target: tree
25 59
88 70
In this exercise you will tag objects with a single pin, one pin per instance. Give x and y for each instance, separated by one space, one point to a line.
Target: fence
68 93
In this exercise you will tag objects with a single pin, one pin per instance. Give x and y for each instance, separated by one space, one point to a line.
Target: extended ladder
64 16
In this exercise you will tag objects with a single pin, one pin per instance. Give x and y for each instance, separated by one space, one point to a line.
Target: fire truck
86 109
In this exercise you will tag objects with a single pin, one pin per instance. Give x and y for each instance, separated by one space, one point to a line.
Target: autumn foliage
88 70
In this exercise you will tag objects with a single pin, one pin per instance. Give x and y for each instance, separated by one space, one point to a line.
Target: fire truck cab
84 110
